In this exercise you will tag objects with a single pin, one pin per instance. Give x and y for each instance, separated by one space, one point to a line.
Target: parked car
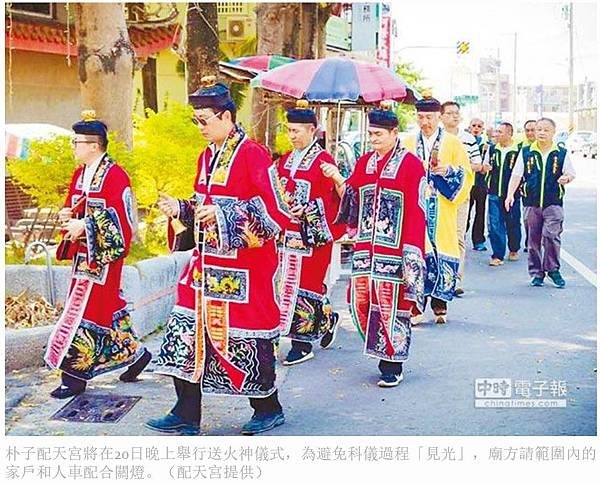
590 149
578 139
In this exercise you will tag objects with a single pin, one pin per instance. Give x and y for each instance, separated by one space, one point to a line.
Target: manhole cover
96 408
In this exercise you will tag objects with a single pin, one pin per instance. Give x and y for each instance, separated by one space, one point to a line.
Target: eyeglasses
75 142
204 121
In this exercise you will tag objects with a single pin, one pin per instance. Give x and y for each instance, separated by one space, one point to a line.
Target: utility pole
571 97
514 96
498 104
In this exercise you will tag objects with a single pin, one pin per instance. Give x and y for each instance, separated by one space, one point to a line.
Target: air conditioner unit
236 29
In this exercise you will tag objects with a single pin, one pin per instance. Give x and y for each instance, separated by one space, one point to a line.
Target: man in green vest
545 169
529 129
503 224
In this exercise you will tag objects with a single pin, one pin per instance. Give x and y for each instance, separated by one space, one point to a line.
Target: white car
590 149
578 139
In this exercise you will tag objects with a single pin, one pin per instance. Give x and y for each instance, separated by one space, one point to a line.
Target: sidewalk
29 406
501 328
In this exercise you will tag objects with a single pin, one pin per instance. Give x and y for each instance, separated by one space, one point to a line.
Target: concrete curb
148 286
25 347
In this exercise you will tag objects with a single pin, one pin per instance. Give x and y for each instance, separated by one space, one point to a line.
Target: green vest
540 177
502 166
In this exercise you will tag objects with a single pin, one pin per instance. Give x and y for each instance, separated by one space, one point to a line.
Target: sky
489 26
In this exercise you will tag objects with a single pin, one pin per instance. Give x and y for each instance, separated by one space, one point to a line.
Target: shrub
46 172
165 153
164 159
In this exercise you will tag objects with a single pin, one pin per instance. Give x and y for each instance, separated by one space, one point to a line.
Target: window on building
45 10
230 8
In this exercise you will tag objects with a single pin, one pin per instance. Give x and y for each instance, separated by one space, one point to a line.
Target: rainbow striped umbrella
334 80
259 63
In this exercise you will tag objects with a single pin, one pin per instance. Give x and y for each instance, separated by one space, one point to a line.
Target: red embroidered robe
306 244
384 200
94 333
224 325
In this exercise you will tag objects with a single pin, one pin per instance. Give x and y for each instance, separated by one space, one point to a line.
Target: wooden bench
39 224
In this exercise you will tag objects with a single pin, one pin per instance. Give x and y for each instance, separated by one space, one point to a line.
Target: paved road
502 328
579 237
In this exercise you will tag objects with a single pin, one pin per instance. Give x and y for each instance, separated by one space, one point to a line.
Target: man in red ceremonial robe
221 335
384 200
306 244
94 334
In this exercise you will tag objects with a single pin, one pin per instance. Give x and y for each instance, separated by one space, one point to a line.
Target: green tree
164 159
166 148
45 174
407 114
282 140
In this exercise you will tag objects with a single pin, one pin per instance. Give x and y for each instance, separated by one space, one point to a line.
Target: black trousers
478 199
72 382
301 345
189 402
387 367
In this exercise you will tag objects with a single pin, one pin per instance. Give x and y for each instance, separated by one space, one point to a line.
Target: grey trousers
545 225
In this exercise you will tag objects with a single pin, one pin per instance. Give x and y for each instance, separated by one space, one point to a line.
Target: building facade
42 83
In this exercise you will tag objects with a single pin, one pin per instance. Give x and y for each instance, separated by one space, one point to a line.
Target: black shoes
390 380
537 281
329 337
557 278
262 422
173 424
64 392
71 386
296 356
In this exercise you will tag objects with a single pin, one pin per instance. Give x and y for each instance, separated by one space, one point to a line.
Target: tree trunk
323 13
318 19
270 23
106 58
308 16
292 30
311 38
202 49
295 30
149 85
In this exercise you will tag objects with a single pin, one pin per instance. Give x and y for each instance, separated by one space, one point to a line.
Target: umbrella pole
337 135
363 130
267 127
